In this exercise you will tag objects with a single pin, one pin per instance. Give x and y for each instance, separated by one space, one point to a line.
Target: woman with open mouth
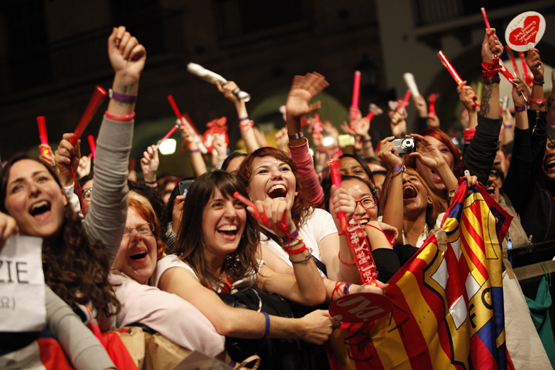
380 236
77 256
176 319
439 174
216 253
270 174
407 202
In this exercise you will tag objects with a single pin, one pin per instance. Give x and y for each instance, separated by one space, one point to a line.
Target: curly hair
432 210
302 206
74 267
190 244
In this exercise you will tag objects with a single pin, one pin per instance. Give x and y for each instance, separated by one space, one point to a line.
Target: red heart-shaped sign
526 34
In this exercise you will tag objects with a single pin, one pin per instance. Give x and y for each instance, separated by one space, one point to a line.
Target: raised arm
491 49
467 96
393 207
480 153
199 166
247 132
149 165
303 90
432 158
534 62
108 211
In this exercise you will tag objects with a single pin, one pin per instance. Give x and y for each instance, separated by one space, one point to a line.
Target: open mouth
409 192
491 190
138 256
228 231
436 176
277 191
550 166
363 221
39 208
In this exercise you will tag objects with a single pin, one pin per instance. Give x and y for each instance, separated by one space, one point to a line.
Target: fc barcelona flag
448 299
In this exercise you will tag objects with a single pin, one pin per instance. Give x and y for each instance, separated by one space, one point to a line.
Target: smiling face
34 199
137 252
362 193
272 178
431 177
223 224
350 166
549 160
415 196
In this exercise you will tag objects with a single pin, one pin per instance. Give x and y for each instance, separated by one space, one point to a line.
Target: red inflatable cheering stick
44 148
336 180
96 99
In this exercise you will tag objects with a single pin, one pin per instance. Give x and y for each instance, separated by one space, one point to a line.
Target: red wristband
126 118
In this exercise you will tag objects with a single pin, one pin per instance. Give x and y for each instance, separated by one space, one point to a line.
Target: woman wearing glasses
175 318
366 213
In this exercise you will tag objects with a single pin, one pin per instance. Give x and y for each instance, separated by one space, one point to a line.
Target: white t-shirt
171 261
318 225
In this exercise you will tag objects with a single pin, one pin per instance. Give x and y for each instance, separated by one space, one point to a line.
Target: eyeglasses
367 203
87 193
143 229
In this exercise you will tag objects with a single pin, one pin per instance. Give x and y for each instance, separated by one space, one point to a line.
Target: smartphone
404 145
184 186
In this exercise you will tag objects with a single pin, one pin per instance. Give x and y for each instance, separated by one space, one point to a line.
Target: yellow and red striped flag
448 299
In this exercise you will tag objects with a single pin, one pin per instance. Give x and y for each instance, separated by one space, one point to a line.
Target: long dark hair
75 268
190 245
302 206
432 210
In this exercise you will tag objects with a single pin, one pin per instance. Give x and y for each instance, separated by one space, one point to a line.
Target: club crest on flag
447 300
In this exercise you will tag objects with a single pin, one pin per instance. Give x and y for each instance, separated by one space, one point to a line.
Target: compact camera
404 145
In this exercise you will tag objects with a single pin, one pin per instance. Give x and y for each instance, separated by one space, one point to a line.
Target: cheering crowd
247 260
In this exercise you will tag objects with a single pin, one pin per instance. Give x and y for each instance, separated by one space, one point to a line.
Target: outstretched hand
150 163
276 215
467 96
228 91
303 90
126 55
388 153
429 155
67 159
341 201
491 46
534 61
